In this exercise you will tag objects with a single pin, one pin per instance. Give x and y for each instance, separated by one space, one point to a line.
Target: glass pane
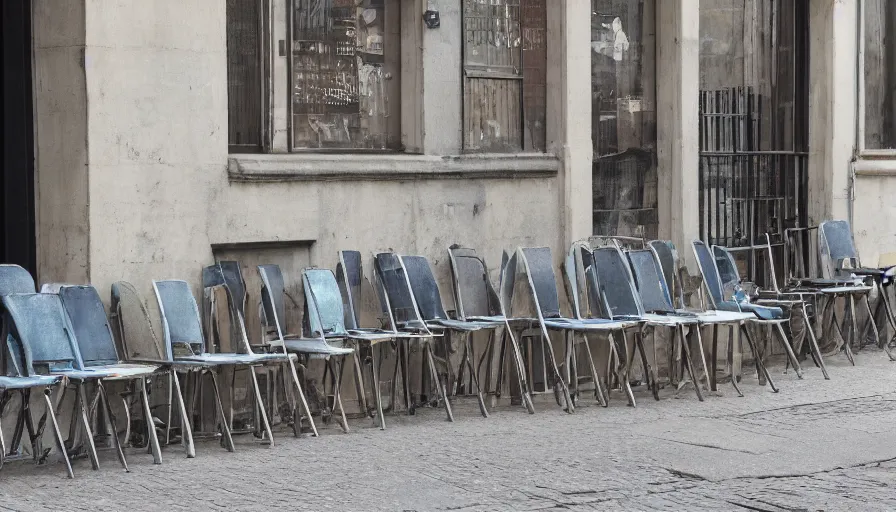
340 80
623 128
880 74
244 73
492 35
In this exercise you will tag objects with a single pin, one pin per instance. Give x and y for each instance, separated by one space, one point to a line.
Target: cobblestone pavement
817 445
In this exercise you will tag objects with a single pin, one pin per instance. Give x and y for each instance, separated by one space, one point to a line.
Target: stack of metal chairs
174 366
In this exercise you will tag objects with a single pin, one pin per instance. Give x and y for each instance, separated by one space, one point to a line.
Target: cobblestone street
818 445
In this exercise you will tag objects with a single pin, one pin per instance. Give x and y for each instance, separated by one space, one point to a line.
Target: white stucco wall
159 193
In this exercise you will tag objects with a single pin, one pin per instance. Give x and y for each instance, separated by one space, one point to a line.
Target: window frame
861 149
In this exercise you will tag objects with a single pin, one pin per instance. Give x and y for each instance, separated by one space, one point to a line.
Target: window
623 117
344 61
313 74
245 75
879 41
505 61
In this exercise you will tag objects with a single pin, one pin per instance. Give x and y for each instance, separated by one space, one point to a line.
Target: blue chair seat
125 370
461 325
28 382
370 335
762 312
590 324
216 359
314 346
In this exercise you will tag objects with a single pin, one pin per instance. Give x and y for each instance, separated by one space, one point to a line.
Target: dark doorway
17 243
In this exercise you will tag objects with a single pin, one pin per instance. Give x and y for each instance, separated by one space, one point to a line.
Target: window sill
392 167
877 166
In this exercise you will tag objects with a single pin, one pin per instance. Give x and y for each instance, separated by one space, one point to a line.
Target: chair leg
813 343
854 324
885 300
713 379
730 359
57 434
150 426
699 335
375 364
434 374
627 370
757 358
872 323
85 425
598 387
116 442
336 371
649 371
790 354
262 410
359 379
226 437
525 394
558 380
567 364
186 428
686 352
171 373
468 349
302 399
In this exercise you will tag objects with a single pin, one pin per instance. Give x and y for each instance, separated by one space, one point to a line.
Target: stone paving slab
817 445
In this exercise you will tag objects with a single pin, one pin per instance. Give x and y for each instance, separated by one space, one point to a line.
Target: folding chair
273 319
840 260
327 318
98 353
402 316
186 350
537 264
654 292
227 275
613 279
770 317
791 300
41 324
476 299
587 301
19 377
428 301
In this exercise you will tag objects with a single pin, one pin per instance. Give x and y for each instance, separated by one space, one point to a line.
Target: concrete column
569 111
678 86
833 106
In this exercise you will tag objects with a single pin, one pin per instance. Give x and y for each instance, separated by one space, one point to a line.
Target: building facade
168 134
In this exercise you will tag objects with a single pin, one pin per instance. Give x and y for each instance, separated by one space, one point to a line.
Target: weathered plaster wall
721 44
60 99
159 190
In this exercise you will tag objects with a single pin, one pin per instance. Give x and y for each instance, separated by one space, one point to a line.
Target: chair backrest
650 282
507 282
538 264
474 294
39 321
616 284
573 270
15 279
137 335
350 275
397 293
711 279
273 303
236 285
728 273
424 288
180 316
835 244
90 325
324 300
667 255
